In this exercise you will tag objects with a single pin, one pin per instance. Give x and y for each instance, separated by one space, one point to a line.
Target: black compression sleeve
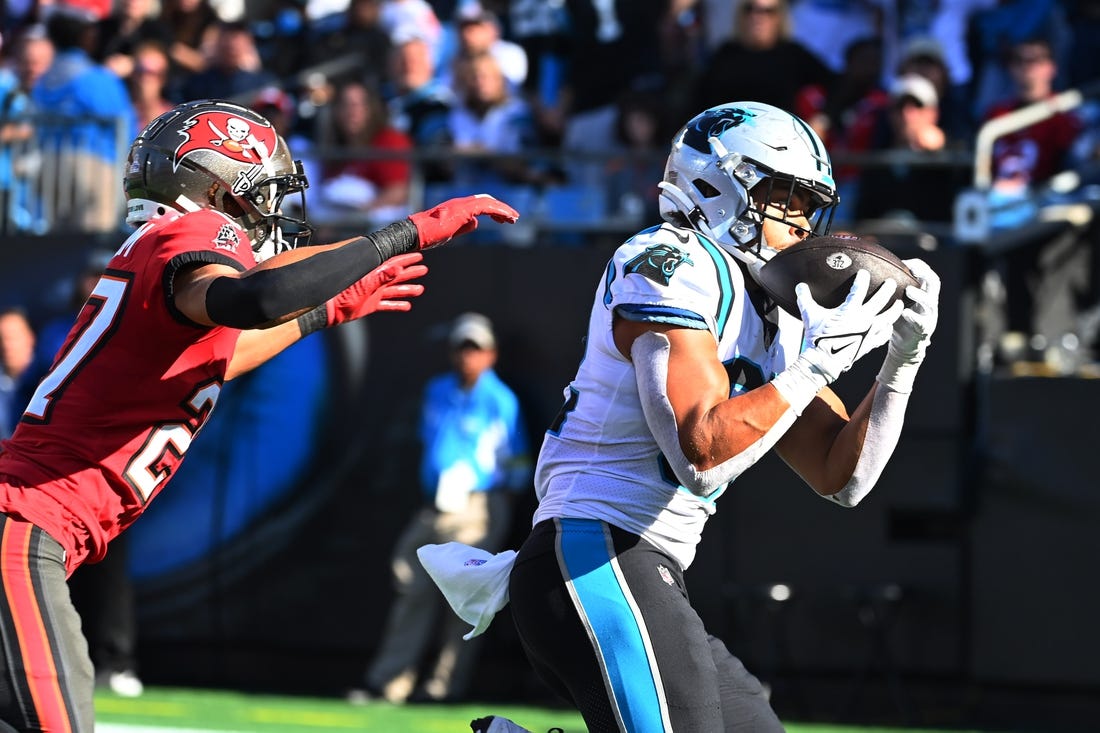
265 296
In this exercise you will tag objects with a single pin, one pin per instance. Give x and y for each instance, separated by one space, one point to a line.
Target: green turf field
168 710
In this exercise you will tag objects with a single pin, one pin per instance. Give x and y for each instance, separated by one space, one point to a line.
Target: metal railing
63 175
979 208
54 182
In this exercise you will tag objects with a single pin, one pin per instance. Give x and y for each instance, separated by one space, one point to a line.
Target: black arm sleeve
265 296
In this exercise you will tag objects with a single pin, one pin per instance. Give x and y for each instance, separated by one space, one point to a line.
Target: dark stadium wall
954 569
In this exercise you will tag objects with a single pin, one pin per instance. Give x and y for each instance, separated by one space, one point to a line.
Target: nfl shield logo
665 575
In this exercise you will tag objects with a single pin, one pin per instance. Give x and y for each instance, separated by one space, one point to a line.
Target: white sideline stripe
127 728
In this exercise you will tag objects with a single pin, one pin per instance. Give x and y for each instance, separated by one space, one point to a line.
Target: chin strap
683 204
272 245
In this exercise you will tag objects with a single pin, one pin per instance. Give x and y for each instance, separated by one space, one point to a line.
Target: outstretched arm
388 287
292 283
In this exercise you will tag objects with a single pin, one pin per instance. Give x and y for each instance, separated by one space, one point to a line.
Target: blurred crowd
371 91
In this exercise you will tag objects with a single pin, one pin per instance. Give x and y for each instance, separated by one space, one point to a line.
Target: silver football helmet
212 154
728 151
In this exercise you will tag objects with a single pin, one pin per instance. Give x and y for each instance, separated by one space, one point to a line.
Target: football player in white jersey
690 375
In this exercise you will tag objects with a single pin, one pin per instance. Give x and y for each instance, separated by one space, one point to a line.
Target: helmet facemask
258 208
734 166
794 203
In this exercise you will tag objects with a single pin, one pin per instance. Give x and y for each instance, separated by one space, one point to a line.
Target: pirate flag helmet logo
243 140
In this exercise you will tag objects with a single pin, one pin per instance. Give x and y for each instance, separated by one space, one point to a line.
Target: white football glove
835 338
912 332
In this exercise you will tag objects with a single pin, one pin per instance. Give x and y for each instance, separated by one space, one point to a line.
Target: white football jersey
599 459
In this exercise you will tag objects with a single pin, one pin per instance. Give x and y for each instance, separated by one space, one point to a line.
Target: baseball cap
917 87
409 31
922 47
474 13
273 98
474 328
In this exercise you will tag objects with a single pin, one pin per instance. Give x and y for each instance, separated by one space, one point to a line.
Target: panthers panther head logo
658 263
713 123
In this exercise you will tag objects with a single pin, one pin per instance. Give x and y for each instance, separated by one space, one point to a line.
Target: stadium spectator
83 149
925 57
32 55
279 108
282 32
490 118
234 70
640 134
993 31
906 189
16 356
194 27
479 32
826 27
148 82
474 462
843 114
118 35
419 105
1029 157
1023 162
941 30
357 179
761 40
354 39
613 46
540 28
846 114
400 18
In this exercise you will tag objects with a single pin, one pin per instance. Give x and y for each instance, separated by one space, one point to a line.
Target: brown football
829 265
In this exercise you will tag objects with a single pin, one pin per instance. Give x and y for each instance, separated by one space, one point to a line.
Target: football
829 265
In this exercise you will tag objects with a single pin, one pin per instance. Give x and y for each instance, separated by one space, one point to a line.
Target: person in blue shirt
95 126
235 68
31 55
475 460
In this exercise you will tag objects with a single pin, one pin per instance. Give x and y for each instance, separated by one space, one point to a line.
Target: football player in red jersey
208 287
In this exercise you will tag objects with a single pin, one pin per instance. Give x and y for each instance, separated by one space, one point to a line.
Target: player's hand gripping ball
829 265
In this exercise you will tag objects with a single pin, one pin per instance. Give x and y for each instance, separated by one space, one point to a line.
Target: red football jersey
128 391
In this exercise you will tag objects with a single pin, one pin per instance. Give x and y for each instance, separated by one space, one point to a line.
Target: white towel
474 582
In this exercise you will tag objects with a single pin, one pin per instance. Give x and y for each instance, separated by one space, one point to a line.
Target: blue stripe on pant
606 622
613 622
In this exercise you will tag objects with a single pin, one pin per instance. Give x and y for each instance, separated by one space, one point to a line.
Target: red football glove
385 288
459 216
